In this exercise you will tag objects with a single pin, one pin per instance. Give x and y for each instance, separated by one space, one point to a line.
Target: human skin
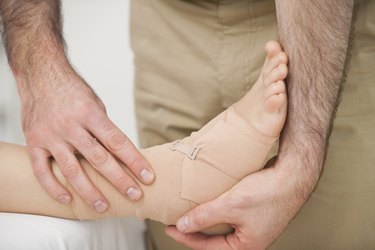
185 178
61 114
315 36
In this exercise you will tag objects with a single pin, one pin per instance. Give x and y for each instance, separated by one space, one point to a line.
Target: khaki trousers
194 58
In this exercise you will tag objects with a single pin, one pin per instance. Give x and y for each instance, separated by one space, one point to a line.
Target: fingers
205 215
73 116
105 164
42 169
77 178
199 241
120 146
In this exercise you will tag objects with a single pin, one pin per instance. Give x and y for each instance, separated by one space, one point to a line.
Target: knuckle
122 183
105 124
96 116
99 157
82 105
86 141
199 220
117 141
89 194
32 140
63 122
132 161
70 170
234 202
201 216
86 114
36 139
40 172
241 203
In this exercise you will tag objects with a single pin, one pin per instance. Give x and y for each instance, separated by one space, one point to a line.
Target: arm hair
315 35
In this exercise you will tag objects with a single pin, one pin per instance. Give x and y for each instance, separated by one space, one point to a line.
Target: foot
265 105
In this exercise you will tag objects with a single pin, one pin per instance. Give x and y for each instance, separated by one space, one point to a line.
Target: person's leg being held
189 172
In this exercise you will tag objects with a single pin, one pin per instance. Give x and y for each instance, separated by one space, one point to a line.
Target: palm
259 207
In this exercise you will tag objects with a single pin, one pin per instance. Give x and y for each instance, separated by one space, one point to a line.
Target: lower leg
191 171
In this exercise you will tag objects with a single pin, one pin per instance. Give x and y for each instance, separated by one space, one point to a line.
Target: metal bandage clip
189 151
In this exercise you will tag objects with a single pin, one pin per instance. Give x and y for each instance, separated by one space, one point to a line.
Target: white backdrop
97 35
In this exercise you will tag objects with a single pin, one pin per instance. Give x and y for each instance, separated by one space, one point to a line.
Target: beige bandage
188 172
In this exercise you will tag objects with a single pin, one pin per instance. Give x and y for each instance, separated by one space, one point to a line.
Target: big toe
272 48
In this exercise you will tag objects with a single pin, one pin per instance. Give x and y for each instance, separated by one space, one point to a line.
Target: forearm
33 40
315 36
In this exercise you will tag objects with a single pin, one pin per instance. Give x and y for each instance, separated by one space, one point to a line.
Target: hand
259 208
68 118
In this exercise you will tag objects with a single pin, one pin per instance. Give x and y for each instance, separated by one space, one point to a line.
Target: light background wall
97 35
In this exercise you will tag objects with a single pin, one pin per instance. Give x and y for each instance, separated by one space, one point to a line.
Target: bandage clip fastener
188 150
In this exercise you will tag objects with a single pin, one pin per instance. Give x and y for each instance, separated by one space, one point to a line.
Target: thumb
204 216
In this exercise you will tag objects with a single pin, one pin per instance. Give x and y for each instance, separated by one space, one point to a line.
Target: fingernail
147 176
64 198
100 206
134 193
183 224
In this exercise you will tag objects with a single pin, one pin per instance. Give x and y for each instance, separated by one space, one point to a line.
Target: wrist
302 152
32 61
51 73
300 171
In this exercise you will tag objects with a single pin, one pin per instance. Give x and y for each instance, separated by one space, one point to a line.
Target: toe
276 103
275 97
274 89
283 58
272 48
280 58
278 73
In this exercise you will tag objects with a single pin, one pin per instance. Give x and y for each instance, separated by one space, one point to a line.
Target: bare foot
265 105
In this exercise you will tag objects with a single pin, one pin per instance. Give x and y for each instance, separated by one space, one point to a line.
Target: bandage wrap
217 159
188 172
